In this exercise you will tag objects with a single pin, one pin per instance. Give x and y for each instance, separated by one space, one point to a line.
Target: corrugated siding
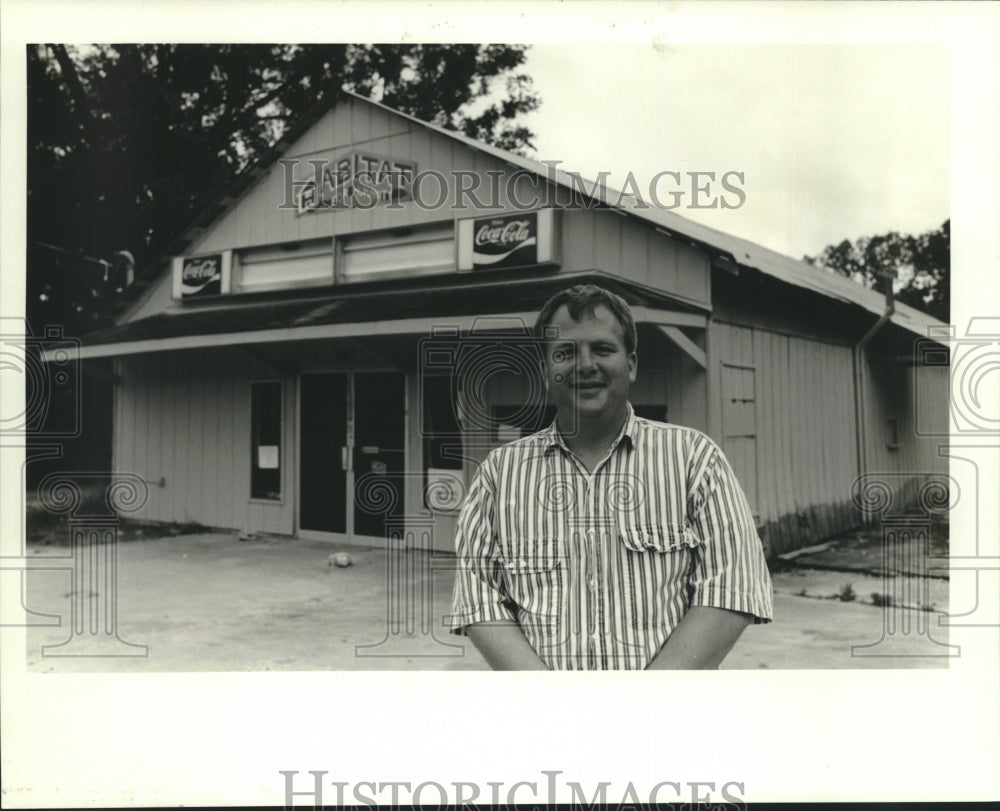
917 398
184 418
804 436
606 241
739 425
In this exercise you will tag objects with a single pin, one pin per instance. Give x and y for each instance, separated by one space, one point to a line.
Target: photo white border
167 739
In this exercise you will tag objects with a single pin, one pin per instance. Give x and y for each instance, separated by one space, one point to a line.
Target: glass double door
351 452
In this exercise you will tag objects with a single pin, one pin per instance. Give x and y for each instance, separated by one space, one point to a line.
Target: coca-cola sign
524 239
202 276
505 241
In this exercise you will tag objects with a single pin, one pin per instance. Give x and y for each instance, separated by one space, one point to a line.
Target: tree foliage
127 143
920 266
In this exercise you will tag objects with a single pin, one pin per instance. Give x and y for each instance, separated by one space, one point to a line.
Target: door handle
345 458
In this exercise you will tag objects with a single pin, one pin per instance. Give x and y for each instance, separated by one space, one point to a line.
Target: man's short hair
584 298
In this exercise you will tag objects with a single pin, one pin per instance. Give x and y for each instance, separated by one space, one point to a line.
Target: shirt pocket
664 538
657 562
532 572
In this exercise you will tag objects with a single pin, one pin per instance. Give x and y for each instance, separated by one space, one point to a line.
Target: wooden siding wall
604 240
801 465
805 439
917 398
590 239
184 417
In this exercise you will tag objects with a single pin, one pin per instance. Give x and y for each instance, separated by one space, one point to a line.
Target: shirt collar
551 438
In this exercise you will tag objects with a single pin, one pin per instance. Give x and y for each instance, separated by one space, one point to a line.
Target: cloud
836 141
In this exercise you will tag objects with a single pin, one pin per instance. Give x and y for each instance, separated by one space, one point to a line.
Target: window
656 413
265 421
286 266
391 254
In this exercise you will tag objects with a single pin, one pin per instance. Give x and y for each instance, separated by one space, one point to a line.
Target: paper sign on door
267 457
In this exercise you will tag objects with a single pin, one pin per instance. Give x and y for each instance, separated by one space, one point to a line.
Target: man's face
587 368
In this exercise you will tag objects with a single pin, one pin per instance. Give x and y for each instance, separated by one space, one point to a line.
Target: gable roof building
345 334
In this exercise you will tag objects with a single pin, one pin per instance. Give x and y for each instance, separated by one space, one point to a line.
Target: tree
127 143
920 266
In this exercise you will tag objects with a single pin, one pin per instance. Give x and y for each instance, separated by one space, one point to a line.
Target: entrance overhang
685 344
667 321
464 309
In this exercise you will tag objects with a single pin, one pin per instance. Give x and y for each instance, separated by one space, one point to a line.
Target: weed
881 599
847 594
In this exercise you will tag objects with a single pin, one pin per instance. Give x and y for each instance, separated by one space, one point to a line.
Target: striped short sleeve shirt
597 568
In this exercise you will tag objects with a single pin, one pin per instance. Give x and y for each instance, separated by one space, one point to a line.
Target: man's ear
633 367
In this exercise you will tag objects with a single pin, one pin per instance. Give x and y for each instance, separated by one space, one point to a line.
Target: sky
834 141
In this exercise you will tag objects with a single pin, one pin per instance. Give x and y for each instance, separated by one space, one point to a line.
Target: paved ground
214 603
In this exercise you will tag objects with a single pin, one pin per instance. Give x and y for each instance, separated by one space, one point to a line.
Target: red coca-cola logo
201 270
502 235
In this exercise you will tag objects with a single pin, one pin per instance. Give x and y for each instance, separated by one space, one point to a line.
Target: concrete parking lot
210 602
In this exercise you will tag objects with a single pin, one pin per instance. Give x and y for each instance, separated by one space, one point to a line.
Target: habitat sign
356 180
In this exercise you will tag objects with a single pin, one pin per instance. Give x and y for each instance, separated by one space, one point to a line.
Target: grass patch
847 594
58 534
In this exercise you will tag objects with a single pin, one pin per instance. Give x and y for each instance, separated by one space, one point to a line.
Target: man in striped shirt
605 541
